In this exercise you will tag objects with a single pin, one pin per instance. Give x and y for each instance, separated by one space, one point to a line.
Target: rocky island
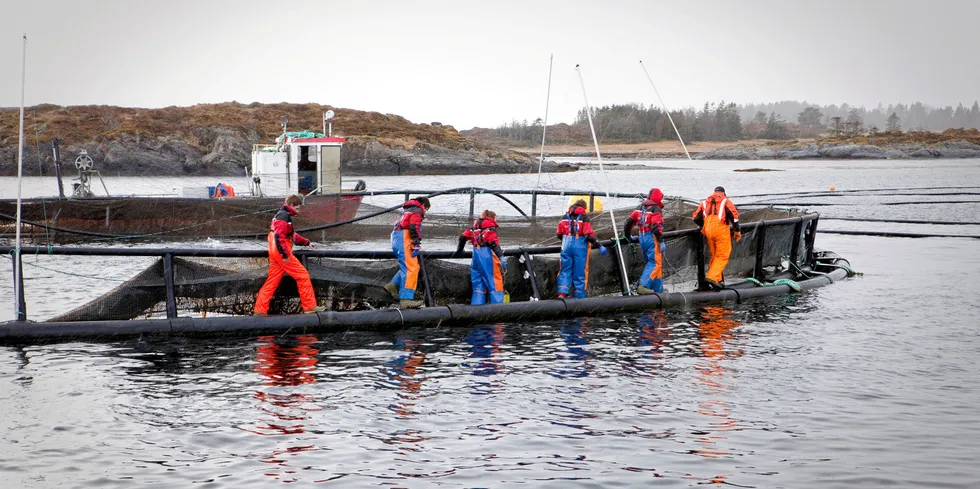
217 139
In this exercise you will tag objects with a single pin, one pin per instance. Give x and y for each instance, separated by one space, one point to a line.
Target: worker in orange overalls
406 242
717 217
283 262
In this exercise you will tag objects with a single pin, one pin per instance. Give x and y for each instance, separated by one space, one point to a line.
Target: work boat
303 163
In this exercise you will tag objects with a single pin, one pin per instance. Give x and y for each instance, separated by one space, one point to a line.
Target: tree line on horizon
726 121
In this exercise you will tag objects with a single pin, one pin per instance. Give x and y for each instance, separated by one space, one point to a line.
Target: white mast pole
619 248
671 119
544 128
18 292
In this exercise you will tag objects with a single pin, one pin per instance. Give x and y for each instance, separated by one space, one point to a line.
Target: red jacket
411 220
483 233
282 228
576 224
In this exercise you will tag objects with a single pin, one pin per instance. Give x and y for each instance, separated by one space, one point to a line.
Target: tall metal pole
21 313
544 127
671 119
619 248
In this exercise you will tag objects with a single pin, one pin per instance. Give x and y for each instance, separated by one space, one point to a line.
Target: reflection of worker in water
714 331
403 369
574 361
288 361
654 331
484 343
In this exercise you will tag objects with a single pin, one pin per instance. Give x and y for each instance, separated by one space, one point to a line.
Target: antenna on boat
20 307
671 119
326 120
619 248
544 126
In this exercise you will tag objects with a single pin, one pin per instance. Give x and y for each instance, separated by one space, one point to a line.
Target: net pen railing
226 280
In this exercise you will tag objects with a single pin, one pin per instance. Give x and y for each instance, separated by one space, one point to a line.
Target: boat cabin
300 163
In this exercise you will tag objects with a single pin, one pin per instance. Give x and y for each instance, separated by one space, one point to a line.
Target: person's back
715 215
488 262
577 239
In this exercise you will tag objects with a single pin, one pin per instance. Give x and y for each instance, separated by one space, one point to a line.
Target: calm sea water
870 382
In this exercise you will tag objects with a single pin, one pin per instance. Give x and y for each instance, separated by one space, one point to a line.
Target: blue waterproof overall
573 278
486 276
652 276
408 266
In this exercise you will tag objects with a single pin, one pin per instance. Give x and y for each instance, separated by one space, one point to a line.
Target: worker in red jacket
717 217
649 220
406 242
577 239
283 262
488 263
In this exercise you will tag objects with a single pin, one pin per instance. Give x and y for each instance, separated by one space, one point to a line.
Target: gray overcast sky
484 63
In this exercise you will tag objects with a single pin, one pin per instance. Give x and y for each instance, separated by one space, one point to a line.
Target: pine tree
894 123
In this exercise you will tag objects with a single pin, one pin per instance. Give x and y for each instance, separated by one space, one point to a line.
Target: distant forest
636 123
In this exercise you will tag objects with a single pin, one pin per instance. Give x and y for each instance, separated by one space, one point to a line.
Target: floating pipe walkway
391 319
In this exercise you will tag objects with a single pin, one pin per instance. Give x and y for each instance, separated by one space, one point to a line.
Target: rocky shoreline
843 151
221 151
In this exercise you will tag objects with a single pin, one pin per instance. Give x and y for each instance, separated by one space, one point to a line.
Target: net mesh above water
228 285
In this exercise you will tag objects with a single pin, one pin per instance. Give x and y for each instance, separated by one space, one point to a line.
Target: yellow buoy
596 205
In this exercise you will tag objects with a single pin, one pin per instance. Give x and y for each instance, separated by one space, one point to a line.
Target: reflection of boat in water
302 163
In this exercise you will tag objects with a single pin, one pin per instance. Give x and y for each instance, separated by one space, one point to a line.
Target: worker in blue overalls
488 263
649 220
406 242
577 239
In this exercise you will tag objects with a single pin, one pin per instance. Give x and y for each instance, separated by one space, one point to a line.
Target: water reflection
404 370
574 361
285 362
485 344
654 334
714 331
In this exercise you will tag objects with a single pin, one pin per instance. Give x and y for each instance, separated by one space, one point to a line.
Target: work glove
738 236
663 247
310 245
415 251
603 250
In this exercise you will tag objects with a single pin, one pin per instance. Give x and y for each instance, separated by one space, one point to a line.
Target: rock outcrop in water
217 139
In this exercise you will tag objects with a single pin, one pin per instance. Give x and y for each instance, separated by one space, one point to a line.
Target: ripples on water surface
866 383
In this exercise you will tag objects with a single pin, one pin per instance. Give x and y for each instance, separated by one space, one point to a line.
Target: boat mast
19 307
619 248
544 127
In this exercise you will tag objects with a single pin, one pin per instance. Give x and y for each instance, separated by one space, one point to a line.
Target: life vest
648 222
482 227
712 205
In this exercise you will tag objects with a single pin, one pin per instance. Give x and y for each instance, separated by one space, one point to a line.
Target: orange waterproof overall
716 211
283 262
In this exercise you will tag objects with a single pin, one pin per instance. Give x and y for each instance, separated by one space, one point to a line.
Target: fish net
211 285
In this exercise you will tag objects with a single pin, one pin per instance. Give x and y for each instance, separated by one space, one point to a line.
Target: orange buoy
833 188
